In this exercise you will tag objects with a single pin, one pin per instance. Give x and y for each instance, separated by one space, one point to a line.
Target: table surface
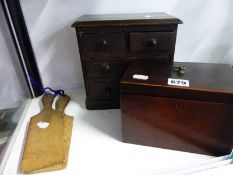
96 146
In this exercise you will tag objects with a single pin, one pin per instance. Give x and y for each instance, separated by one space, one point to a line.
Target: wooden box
108 43
198 118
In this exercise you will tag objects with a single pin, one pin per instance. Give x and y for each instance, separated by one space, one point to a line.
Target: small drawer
160 43
108 69
104 91
103 42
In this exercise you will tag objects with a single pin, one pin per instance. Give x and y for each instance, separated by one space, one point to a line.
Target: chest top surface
155 18
204 78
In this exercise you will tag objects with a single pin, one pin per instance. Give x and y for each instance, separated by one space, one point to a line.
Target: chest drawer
104 91
103 42
160 43
109 69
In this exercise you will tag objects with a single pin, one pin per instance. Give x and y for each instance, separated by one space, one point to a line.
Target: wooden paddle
44 146
61 104
59 162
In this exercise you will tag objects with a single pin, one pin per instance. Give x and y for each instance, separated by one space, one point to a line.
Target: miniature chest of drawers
107 43
198 118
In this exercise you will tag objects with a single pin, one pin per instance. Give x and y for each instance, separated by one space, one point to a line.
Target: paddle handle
47 100
62 102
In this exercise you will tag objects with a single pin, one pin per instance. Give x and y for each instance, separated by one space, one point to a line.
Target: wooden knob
152 42
104 42
106 67
108 91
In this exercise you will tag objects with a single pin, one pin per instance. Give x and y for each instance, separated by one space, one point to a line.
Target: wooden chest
107 43
198 118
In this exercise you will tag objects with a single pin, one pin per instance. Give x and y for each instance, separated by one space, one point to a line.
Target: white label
42 125
140 77
149 16
178 82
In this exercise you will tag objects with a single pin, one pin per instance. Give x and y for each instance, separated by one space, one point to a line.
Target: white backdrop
205 36
13 88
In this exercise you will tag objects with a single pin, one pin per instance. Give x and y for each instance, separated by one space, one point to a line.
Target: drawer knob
106 67
152 42
104 42
108 91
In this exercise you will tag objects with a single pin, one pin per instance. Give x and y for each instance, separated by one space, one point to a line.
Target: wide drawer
160 43
103 42
104 91
108 69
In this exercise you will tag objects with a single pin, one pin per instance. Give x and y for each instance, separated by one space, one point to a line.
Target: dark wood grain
185 125
103 91
194 119
155 18
103 42
108 43
106 69
209 82
158 42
